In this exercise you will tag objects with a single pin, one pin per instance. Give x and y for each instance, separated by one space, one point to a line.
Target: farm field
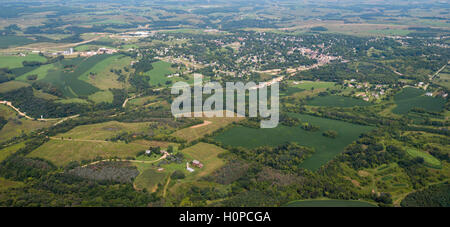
12 62
325 148
207 154
329 203
12 86
307 85
337 101
148 178
10 41
67 75
103 131
62 152
41 72
193 133
100 75
7 151
410 98
158 75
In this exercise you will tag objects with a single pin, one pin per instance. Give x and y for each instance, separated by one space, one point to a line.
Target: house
197 163
148 152
429 94
160 169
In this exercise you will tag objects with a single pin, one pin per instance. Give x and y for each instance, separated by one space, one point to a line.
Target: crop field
41 72
68 80
16 61
103 78
337 101
105 130
410 98
62 152
325 148
429 159
7 151
10 41
193 133
12 86
207 154
329 203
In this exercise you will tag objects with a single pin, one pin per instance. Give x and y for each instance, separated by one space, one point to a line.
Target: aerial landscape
87 98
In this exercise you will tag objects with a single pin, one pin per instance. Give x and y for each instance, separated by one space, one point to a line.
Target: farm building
197 163
148 152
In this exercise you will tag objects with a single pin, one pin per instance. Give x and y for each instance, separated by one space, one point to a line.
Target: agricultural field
207 154
410 98
103 131
62 152
12 86
329 203
337 101
11 41
209 125
100 74
12 61
158 75
102 96
7 151
325 148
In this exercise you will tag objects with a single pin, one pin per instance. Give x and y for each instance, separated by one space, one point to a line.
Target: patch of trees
120 172
433 196
25 100
330 134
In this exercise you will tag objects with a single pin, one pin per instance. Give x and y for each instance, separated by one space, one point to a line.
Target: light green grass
12 86
41 72
429 159
102 96
5 152
329 203
16 61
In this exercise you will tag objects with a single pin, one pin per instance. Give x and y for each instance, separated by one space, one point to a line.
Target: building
197 164
148 152
189 168
429 94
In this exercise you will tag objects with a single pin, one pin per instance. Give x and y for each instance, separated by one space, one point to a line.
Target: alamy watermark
258 102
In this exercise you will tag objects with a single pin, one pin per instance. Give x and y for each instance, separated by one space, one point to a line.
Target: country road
133 161
39 119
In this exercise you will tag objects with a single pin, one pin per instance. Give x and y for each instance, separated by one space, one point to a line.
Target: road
165 155
39 119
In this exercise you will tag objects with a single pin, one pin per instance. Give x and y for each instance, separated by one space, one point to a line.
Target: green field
102 96
62 152
429 159
410 98
307 85
10 41
325 148
12 86
16 61
207 154
149 178
158 75
69 74
5 152
337 101
329 203
41 72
